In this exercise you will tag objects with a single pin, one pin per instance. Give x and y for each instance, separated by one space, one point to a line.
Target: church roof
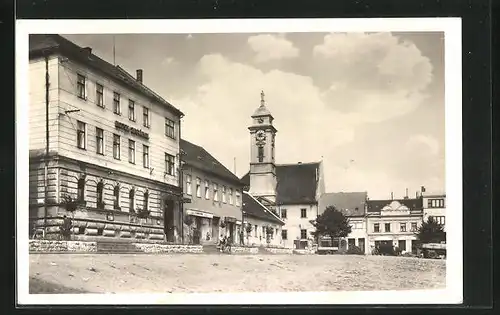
199 158
350 203
255 209
261 111
296 183
378 205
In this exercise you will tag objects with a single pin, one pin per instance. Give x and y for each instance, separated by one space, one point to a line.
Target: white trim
199 213
264 207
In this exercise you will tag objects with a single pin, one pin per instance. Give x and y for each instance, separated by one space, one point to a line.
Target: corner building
113 147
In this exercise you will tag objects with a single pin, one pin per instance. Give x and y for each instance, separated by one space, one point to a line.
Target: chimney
88 50
406 194
392 195
139 75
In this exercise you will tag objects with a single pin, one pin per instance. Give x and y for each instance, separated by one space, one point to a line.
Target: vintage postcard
277 161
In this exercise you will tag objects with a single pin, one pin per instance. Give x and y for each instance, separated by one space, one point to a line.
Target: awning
230 220
198 213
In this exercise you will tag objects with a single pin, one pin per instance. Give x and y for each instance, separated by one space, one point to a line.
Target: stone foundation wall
163 248
244 250
280 250
45 246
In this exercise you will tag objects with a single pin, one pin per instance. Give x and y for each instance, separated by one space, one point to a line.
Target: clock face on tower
261 135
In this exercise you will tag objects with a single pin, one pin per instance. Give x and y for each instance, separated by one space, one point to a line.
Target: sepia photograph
177 159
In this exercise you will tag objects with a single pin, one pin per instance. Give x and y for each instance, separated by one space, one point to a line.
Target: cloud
376 74
424 143
168 61
272 47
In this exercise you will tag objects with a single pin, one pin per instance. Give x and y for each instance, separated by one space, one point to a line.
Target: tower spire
262 101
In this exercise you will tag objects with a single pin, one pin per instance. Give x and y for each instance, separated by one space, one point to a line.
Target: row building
102 142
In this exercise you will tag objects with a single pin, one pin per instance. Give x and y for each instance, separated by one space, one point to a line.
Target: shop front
201 229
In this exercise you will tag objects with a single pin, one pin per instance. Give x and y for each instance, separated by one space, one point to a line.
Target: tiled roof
53 43
252 208
197 157
377 205
350 203
297 183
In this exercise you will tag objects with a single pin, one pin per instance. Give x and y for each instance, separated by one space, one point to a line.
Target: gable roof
410 203
252 207
350 203
39 44
296 183
199 158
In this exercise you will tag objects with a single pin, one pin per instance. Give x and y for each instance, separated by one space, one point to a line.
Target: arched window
81 190
100 195
146 200
131 197
116 195
260 153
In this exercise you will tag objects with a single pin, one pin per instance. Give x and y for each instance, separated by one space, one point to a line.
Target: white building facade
113 147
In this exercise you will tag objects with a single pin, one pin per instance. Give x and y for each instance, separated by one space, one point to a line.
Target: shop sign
199 214
132 130
230 220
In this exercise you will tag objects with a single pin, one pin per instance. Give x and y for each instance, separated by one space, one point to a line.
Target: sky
369 105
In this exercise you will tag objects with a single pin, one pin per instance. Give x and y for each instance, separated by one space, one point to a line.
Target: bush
354 250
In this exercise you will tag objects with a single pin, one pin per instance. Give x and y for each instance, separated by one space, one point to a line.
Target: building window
80 196
80 85
387 227
260 152
145 116
169 164
224 194
376 227
99 92
237 198
145 156
131 151
435 203
402 227
263 231
230 196
255 230
198 187
116 103
284 235
414 227
116 146
169 128
80 135
439 220
207 189
99 139
283 213
131 200
303 234
216 192
100 195
146 201
303 213
131 110
116 195
188 185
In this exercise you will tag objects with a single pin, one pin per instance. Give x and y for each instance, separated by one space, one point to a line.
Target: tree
431 232
331 223
188 220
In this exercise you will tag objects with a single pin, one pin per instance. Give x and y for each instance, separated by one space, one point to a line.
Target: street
127 273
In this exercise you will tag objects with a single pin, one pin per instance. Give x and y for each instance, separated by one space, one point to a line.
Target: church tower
262 151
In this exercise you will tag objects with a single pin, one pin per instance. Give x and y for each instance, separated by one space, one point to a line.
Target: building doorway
231 231
351 242
402 245
168 222
197 231
361 244
215 229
